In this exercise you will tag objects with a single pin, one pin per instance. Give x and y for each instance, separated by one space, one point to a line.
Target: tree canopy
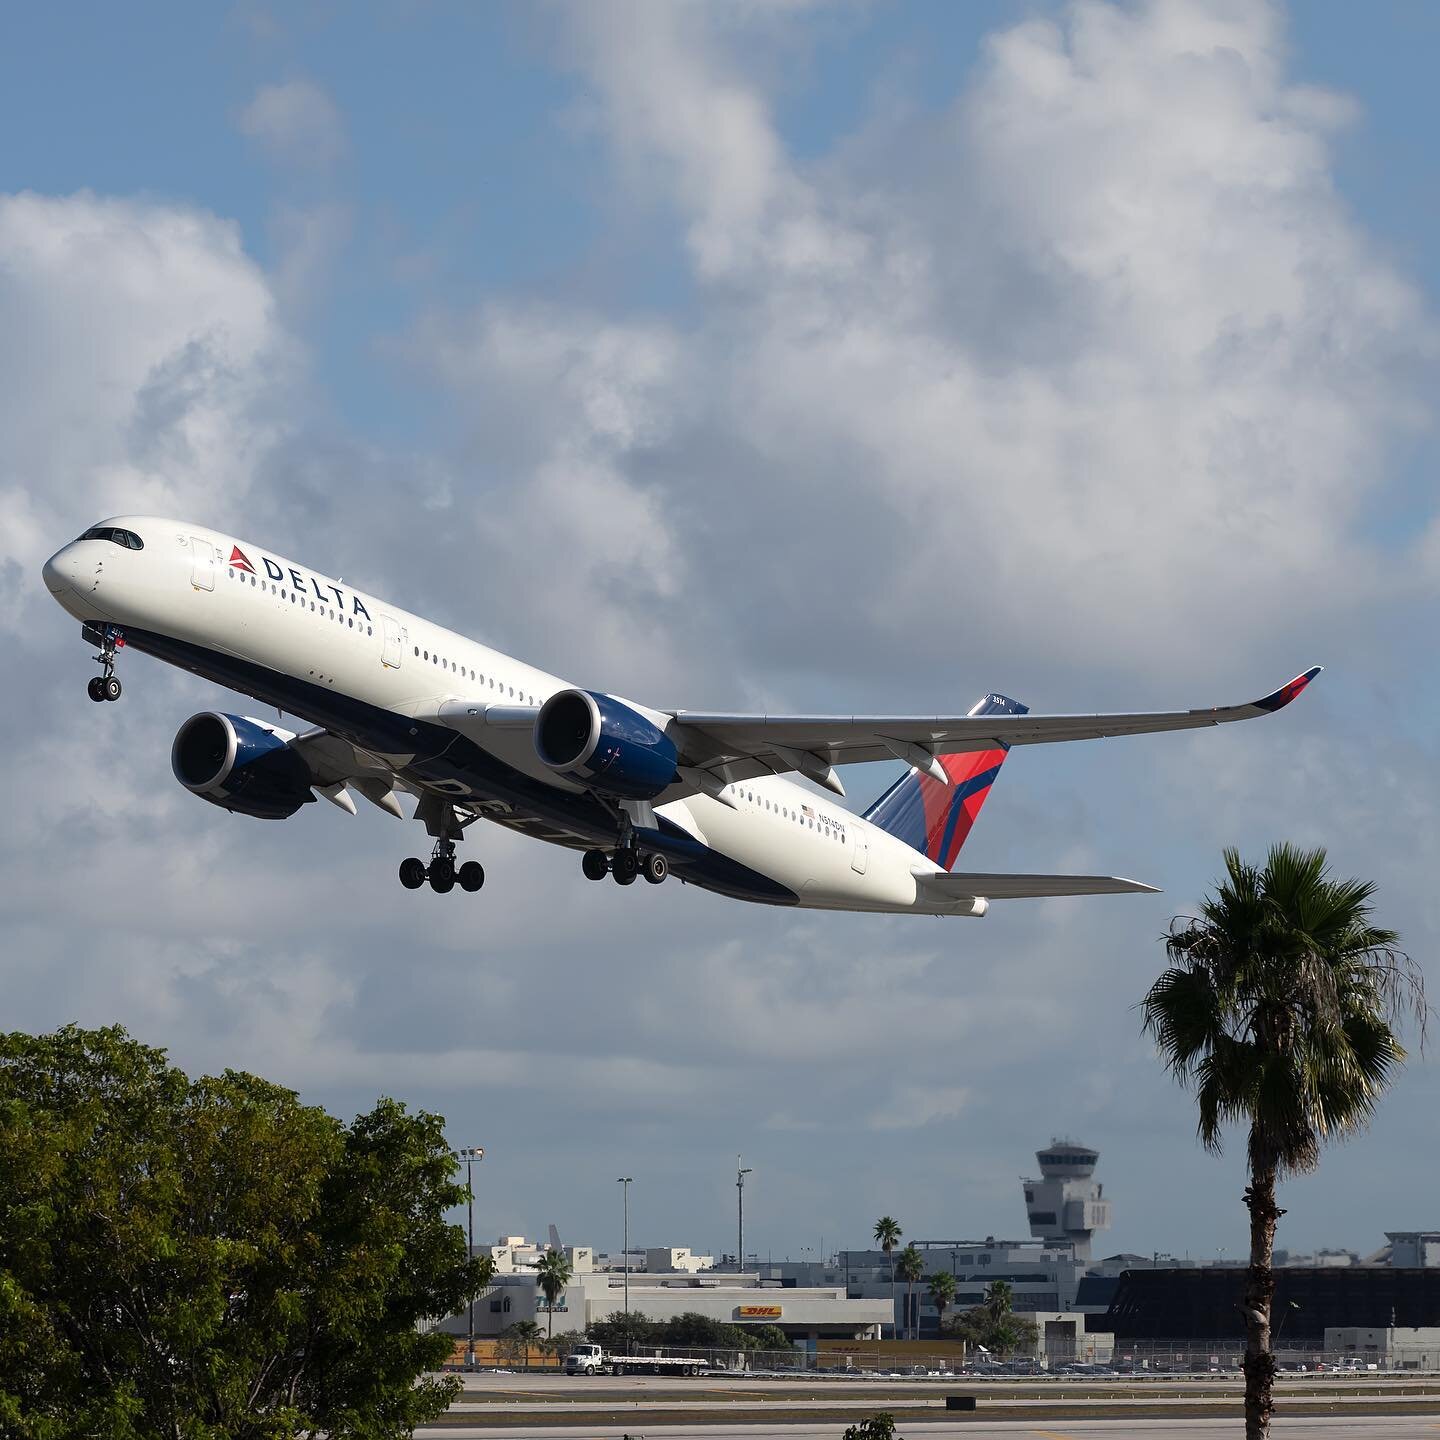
691 1330
210 1259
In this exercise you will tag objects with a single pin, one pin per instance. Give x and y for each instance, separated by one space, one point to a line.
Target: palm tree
553 1273
912 1268
942 1294
999 1301
887 1237
1279 1008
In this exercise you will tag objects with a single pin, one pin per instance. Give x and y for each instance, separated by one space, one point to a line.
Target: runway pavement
1391 1407
1320 1428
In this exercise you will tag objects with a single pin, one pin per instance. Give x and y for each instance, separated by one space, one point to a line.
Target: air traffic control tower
1066 1203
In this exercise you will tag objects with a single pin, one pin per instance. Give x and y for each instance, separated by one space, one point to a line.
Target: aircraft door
860 855
394 642
202 573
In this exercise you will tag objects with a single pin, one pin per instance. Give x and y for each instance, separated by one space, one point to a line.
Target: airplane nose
60 571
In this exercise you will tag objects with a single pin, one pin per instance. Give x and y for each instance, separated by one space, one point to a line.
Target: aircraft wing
960 886
739 747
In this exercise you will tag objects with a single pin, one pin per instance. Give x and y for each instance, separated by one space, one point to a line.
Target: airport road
1388 1427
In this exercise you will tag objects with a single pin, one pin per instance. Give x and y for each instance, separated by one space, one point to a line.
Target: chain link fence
1092 1358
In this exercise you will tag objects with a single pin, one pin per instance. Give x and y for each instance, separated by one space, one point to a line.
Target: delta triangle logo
240 560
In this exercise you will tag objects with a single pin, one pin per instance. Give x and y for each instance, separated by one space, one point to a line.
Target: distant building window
1043 1217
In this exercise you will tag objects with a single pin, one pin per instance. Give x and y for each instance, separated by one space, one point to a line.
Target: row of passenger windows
349 620
492 682
302 600
786 813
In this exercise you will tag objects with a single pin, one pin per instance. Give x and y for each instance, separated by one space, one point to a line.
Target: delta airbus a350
403 707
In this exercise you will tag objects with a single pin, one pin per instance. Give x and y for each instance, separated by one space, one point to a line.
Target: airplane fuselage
376 675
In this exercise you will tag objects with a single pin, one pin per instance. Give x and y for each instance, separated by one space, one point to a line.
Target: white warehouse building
811 1312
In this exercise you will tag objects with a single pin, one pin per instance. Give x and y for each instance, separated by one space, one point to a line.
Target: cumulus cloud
142 369
297 124
1097 354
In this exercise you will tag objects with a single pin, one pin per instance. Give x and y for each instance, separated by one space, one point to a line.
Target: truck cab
585 1360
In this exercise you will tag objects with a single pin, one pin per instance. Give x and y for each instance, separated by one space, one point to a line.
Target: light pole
469 1155
740 1174
624 1183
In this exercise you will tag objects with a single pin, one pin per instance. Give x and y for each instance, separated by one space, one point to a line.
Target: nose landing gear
105 686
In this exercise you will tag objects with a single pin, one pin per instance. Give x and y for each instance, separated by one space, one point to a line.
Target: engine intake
241 765
599 741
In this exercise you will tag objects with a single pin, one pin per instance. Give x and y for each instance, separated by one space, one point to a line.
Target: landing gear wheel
412 873
96 688
471 876
110 686
442 875
655 868
624 867
595 865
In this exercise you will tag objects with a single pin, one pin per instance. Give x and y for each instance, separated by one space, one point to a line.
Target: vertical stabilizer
936 819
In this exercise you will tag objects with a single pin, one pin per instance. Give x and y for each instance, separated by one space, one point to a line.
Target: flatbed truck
592 1360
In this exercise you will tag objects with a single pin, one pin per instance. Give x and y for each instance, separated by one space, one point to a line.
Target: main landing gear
442 871
625 864
106 686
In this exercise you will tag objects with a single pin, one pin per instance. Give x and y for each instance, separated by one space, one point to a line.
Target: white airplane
400 705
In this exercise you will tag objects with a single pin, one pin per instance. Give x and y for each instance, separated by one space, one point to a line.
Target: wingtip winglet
1279 699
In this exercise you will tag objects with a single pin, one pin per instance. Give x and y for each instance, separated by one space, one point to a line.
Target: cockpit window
127 538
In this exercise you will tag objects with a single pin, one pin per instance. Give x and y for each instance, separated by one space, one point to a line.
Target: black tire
111 686
595 865
472 876
655 868
412 873
442 876
624 867
96 688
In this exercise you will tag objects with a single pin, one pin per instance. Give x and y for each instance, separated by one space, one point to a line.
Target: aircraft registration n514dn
401 706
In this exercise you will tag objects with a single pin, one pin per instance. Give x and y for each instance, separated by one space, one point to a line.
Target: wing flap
975 886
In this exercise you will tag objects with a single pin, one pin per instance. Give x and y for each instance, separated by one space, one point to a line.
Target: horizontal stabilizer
961 886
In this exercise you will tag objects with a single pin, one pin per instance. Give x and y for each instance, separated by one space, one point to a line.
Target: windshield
128 539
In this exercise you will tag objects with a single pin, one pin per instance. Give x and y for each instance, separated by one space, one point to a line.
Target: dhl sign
758 1312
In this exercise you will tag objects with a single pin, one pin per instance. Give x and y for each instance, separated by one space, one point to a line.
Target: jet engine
242 765
605 744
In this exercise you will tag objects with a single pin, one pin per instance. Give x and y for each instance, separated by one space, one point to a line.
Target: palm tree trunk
894 1328
1259 1294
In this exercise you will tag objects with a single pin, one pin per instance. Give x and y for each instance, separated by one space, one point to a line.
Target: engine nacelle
240 764
601 742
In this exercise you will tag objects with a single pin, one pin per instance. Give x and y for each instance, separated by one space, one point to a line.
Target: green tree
880 1426
211 1259
993 1324
619 1331
515 1342
887 1237
553 1274
999 1300
695 1331
912 1268
770 1337
942 1293
1279 1009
